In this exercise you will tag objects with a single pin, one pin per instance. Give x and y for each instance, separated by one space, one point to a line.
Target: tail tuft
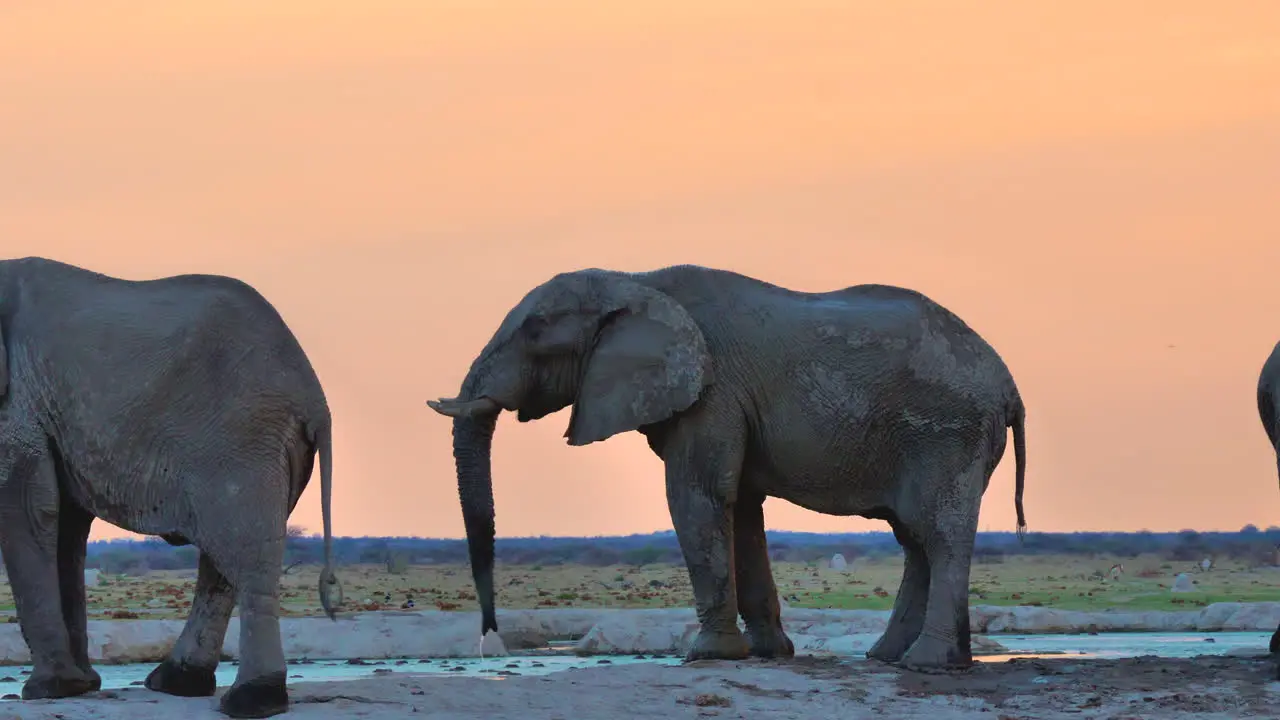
1018 423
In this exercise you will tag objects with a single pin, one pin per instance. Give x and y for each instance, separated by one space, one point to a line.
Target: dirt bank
435 634
1209 688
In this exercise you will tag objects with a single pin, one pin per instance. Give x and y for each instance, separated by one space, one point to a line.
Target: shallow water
1122 645
1102 645
122 676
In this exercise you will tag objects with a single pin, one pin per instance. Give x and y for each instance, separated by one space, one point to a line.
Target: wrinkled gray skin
180 407
1269 412
871 401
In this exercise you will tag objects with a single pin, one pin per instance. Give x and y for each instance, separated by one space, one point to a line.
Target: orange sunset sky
1094 186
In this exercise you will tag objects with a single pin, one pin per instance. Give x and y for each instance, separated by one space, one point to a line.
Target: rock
91 577
982 645
491 645
1235 617
1248 652
523 639
1182 583
638 634
838 562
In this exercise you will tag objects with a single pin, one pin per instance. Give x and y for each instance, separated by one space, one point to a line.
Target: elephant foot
1275 642
770 642
258 698
931 653
72 682
95 680
718 646
891 646
176 678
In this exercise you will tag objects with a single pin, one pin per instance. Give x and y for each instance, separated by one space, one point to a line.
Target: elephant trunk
472 442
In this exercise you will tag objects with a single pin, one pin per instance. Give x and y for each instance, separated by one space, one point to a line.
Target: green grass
1068 582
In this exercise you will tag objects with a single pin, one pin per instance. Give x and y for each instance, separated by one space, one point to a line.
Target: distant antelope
1116 570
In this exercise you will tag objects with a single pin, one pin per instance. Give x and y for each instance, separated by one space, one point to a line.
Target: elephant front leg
29 540
73 537
757 594
699 482
189 669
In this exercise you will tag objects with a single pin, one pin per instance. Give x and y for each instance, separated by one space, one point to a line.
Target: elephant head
623 354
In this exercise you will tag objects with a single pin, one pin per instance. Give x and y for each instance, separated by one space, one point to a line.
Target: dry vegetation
1063 581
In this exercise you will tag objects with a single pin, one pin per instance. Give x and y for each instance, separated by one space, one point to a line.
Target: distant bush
1249 544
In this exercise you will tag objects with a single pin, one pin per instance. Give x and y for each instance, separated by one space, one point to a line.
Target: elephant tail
328 580
1018 422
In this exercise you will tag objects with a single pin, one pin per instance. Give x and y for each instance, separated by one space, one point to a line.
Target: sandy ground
811 688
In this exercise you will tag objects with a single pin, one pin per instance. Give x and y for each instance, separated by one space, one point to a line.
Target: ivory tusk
452 407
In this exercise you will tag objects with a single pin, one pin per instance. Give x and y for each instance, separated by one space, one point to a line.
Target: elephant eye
535 326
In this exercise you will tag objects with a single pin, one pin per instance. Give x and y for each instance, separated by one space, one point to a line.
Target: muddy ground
811 688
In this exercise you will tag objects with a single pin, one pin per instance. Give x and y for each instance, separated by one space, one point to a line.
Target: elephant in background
181 407
1269 413
872 400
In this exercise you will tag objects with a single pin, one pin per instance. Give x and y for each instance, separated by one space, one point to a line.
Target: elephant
872 400
1269 413
180 407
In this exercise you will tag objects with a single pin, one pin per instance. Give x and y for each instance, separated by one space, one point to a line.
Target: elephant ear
649 361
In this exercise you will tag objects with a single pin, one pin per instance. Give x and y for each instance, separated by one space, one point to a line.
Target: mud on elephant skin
180 407
871 400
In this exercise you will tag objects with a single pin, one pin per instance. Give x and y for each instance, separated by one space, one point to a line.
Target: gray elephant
871 400
182 408
1269 412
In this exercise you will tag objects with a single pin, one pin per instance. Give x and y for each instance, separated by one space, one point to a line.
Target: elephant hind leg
246 544
189 669
73 538
757 595
907 619
948 545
